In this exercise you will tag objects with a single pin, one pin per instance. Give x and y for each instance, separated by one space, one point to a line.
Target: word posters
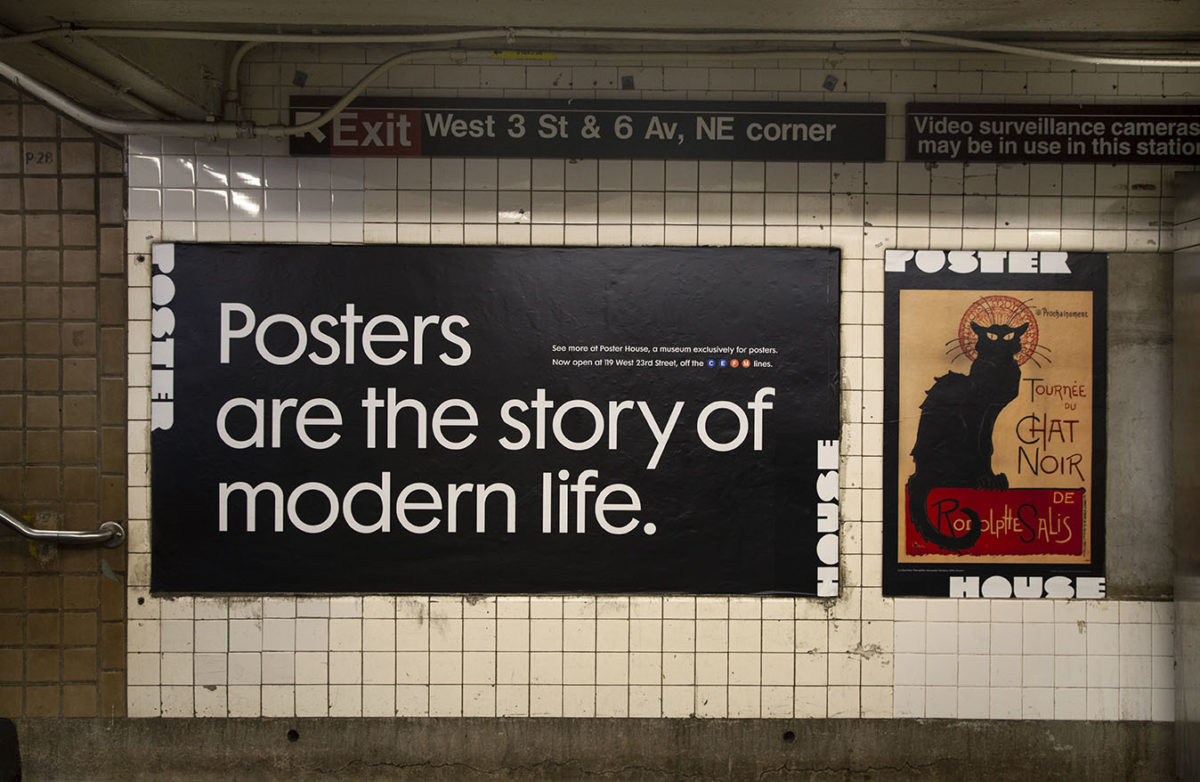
424 419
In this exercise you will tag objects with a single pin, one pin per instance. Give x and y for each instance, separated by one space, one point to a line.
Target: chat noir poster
994 424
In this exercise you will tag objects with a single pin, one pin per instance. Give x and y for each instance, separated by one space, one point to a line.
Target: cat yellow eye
992 336
1008 336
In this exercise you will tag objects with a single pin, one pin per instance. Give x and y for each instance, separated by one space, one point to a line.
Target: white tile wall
861 655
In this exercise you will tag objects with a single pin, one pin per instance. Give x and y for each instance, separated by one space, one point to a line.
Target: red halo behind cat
998 311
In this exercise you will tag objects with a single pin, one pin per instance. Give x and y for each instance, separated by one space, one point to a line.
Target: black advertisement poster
1053 133
424 419
994 438
591 129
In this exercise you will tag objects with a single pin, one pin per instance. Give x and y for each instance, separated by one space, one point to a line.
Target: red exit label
1014 521
368 132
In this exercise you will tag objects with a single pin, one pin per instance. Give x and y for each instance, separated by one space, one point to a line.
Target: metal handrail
110 533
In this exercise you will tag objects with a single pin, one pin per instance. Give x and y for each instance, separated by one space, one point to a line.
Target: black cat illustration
954 435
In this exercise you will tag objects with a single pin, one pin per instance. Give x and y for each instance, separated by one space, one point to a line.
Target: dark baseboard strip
610 749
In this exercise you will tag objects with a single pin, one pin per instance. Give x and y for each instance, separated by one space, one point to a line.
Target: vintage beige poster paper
1034 505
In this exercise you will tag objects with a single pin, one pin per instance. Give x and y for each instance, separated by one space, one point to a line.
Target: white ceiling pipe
224 35
511 34
348 98
220 130
231 129
118 126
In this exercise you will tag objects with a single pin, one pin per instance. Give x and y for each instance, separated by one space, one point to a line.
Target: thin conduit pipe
123 127
348 98
233 89
120 93
251 40
221 35
102 84
513 33
386 65
224 130
231 129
